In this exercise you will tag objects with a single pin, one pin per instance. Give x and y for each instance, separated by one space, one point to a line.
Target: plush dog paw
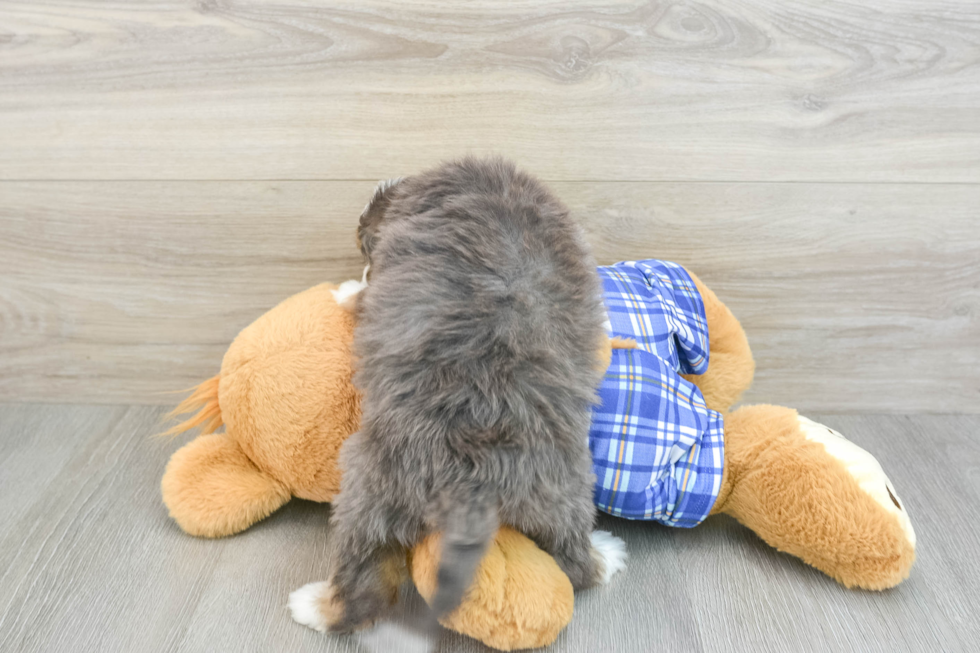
306 605
610 553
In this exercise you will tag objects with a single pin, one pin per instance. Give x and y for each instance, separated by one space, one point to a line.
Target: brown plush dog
285 397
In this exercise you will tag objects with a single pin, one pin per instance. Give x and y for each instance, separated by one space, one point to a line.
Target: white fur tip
347 291
611 551
380 190
386 184
304 604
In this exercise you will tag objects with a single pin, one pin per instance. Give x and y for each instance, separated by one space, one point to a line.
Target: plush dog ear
373 215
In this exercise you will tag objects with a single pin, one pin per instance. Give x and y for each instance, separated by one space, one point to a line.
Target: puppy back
484 312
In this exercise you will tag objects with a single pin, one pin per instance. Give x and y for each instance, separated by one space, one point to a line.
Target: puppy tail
469 527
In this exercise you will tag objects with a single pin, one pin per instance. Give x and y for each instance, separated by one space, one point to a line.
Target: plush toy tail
204 400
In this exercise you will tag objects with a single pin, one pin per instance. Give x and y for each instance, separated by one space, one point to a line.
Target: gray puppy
478 348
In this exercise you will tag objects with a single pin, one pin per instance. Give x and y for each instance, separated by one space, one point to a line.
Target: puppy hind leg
363 583
588 558
591 560
367 568
610 551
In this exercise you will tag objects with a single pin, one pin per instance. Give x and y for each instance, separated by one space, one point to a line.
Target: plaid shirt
657 450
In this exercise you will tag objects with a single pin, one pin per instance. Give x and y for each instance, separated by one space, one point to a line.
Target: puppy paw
306 605
610 552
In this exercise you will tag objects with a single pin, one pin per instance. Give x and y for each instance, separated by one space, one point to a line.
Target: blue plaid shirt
657 450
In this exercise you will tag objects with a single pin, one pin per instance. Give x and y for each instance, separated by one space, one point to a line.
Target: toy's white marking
345 293
611 552
863 467
304 604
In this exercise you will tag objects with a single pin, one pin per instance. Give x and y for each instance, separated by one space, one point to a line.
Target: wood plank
33 449
94 563
775 602
135 289
291 549
580 89
855 297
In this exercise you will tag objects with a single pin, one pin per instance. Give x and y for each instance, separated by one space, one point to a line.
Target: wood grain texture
855 297
783 605
90 562
882 90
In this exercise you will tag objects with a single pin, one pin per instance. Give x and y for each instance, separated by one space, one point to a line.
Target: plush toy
664 444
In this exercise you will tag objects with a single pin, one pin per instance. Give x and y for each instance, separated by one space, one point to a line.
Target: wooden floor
90 561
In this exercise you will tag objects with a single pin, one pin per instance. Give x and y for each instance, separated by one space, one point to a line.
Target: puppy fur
476 354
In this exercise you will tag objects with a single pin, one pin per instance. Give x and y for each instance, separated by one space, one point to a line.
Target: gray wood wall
170 170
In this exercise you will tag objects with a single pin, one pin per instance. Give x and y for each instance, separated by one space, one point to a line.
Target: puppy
477 348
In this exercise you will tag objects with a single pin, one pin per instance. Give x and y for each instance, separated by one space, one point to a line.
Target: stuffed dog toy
665 448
